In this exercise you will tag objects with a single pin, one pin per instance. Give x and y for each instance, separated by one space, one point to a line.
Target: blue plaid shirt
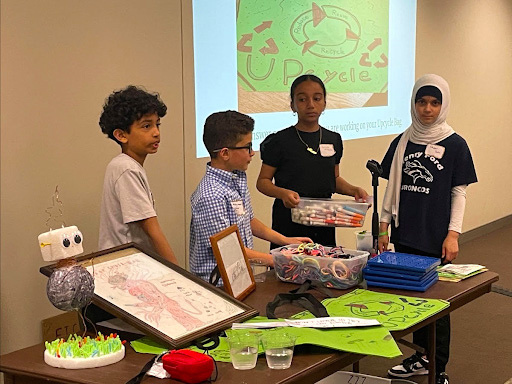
213 211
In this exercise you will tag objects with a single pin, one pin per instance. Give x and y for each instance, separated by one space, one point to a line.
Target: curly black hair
122 108
224 129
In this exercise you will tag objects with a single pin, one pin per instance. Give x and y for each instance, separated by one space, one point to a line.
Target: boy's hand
290 198
298 240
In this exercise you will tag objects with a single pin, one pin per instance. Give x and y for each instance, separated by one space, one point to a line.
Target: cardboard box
61 326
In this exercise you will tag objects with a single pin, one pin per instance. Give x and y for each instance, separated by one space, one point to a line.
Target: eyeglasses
248 147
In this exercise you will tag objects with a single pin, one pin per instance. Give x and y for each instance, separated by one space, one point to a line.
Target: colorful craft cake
83 352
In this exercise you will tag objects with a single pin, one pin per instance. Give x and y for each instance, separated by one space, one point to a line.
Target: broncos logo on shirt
417 171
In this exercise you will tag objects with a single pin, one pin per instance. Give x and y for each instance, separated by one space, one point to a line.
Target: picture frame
157 297
234 267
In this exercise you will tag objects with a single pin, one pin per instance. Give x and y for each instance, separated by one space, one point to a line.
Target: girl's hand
360 194
290 198
383 243
450 247
383 237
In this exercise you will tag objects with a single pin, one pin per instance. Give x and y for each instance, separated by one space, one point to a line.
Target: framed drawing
157 297
234 267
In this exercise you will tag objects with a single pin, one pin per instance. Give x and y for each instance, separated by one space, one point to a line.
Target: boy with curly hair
131 117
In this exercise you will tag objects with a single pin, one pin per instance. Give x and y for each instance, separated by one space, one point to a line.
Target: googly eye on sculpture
70 286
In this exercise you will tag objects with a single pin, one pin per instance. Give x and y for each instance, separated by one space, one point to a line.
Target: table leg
431 353
8 378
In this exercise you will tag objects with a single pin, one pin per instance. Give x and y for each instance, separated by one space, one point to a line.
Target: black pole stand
376 170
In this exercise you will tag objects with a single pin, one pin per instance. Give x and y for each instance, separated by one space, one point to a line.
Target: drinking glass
243 348
278 349
259 269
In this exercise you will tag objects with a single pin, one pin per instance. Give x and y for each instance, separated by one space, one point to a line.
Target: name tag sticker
238 207
434 150
327 150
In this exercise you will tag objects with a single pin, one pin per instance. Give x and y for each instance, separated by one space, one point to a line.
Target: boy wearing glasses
222 197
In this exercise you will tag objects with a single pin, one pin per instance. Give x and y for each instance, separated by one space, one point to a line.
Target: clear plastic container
364 241
330 212
331 272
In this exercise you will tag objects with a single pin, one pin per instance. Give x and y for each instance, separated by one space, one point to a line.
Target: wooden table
310 363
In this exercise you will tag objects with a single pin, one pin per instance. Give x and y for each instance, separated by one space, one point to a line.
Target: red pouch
188 366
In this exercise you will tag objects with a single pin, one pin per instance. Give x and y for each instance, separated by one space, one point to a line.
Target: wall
61 58
468 43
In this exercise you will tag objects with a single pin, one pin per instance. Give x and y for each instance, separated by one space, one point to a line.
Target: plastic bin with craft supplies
330 212
332 267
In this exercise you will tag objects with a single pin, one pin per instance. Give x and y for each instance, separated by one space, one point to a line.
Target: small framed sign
232 261
158 297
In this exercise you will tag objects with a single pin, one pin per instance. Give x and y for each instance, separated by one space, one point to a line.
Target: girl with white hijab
428 167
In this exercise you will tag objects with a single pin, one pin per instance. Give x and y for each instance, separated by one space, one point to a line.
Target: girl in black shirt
303 160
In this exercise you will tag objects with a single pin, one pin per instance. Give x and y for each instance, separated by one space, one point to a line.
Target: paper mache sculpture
71 287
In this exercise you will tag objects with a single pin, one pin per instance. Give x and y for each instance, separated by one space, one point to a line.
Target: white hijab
417 133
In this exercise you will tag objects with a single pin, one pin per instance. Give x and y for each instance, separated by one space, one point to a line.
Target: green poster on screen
345 43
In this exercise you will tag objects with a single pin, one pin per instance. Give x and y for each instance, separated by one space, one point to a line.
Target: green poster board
395 312
376 341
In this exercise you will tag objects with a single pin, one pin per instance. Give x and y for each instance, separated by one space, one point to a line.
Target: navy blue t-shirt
425 195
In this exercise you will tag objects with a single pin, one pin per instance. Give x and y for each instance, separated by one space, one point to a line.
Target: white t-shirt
127 198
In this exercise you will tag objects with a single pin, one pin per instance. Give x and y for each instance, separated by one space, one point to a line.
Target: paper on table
460 269
319 322
268 324
454 278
